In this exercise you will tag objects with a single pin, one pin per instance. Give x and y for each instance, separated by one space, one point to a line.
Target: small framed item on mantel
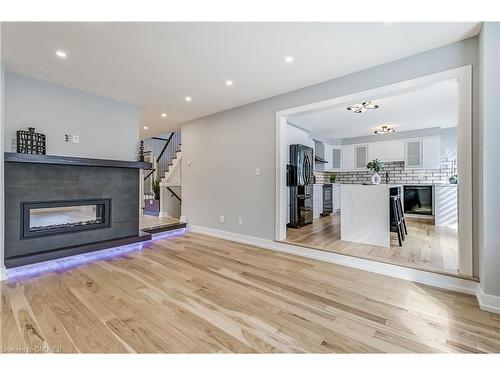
29 142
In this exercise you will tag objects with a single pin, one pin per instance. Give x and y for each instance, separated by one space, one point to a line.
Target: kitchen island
365 214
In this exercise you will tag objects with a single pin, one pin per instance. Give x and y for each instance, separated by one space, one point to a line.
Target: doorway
421 156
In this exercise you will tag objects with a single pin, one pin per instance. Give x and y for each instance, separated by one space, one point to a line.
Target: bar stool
398 224
401 213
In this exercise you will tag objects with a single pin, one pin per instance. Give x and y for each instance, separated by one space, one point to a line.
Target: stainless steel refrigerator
300 173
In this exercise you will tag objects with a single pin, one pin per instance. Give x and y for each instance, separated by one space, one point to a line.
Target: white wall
225 148
488 161
108 129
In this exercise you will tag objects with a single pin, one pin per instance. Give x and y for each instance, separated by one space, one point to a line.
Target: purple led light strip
63 264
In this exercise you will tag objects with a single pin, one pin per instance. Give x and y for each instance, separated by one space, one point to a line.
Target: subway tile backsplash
397 174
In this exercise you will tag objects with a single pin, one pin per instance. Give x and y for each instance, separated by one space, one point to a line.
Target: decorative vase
375 179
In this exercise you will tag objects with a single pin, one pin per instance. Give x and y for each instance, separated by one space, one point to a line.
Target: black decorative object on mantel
141 151
29 142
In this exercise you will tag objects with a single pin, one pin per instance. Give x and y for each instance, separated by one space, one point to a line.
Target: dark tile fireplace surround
61 206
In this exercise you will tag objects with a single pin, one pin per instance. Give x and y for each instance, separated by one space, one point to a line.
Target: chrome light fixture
361 107
385 129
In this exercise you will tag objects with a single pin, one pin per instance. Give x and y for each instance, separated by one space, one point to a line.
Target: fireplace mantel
68 160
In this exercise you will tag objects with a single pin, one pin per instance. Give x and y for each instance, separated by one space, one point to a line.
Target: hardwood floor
199 294
426 247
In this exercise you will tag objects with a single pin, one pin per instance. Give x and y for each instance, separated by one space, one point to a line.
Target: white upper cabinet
336 155
360 156
424 153
431 152
394 150
416 153
377 151
348 158
413 153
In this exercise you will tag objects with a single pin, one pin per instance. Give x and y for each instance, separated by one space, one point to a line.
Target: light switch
257 171
76 139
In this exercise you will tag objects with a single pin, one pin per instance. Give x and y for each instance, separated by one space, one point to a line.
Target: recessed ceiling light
163 115
145 128
188 99
61 54
229 82
289 59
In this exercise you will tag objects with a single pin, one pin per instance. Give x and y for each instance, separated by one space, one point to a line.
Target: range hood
317 159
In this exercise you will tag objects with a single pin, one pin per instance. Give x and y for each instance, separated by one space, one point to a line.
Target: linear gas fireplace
58 217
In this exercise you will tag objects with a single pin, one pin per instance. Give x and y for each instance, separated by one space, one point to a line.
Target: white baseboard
487 302
419 276
3 273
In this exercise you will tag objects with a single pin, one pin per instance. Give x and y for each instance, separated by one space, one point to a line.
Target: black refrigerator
300 173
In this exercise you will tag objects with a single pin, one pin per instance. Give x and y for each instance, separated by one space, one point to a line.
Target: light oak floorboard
426 246
200 294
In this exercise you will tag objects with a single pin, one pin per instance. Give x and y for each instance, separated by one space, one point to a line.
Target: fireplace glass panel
46 218
65 217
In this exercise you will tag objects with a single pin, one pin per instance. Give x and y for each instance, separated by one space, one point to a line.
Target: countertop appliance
300 174
418 200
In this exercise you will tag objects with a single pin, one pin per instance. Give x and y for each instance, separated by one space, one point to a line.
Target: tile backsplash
397 174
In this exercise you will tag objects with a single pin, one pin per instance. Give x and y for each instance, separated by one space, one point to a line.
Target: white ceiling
156 65
428 106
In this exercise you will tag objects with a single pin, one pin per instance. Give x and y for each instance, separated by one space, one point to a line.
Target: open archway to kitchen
383 174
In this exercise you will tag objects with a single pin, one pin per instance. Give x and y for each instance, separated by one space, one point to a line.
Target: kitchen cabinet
446 207
431 153
360 156
413 153
317 200
336 161
377 150
395 150
336 197
423 153
348 158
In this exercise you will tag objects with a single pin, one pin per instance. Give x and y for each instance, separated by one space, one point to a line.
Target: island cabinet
365 214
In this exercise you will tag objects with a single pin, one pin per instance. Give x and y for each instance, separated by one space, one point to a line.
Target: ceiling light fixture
145 128
385 129
229 82
61 54
163 115
361 107
188 99
289 59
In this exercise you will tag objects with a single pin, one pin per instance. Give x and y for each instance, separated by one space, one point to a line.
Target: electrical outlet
257 171
221 219
75 139
240 220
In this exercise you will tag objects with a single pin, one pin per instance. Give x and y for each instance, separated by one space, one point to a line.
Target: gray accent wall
487 162
108 129
225 148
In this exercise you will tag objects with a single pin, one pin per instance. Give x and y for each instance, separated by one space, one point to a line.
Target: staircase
172 176
167 168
